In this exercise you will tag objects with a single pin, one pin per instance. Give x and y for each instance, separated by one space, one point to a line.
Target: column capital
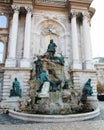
16 8
85 15
28 9
74 13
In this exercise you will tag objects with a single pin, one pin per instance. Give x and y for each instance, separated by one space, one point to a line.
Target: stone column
76 64
25 62
87 42
11 60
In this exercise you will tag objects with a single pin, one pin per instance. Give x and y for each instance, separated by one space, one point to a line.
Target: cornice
79 4
6 1
92 11
60 5
22 1
82 1
52 5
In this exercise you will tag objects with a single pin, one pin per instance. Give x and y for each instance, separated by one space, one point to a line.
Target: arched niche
46 30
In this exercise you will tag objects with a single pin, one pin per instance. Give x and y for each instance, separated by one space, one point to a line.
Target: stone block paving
85 125
9 123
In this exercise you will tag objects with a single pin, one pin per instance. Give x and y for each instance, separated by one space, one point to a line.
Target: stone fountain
52 96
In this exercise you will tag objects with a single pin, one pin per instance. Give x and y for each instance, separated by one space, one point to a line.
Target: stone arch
49 21
50 29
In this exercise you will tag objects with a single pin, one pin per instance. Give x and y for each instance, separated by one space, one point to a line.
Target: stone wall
100 72
80 77
1 82
23 76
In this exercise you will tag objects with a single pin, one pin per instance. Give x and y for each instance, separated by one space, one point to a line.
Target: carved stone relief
48 29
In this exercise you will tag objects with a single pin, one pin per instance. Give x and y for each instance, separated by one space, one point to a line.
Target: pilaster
11 60
76 64
25 62
87 42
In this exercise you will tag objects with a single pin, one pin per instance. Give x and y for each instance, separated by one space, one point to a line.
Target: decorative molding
74 14
23 1
51 29
5 1
79 4
28 9
47 4
82 1
16 8
85 14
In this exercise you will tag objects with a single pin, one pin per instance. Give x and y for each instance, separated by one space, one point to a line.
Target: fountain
52 97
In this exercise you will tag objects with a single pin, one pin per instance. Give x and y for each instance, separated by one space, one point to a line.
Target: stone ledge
15 68
54 118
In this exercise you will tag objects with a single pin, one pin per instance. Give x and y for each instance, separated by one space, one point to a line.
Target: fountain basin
55 118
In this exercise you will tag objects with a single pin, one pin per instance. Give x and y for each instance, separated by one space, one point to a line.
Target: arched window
1 52
3 21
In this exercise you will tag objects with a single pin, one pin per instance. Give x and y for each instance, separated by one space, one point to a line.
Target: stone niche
46 26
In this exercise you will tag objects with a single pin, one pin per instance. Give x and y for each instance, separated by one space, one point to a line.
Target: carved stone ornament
74 14
28 9
85 15
15 8
49 29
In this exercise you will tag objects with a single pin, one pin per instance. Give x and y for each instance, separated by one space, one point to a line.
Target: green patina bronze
61 59
43 77
51 49
15 91
87 90
38 69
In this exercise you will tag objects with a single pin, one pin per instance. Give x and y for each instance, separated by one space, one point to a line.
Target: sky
97 29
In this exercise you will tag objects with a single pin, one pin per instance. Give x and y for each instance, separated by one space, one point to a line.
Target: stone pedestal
25 63
93 101
10 103
10 63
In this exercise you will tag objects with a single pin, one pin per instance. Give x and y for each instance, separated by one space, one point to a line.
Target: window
1 52
3 21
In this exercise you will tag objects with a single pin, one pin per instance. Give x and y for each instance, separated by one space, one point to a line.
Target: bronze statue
55 85
43 78
66 84
87 91
61 59
51 49
38 67
15 91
